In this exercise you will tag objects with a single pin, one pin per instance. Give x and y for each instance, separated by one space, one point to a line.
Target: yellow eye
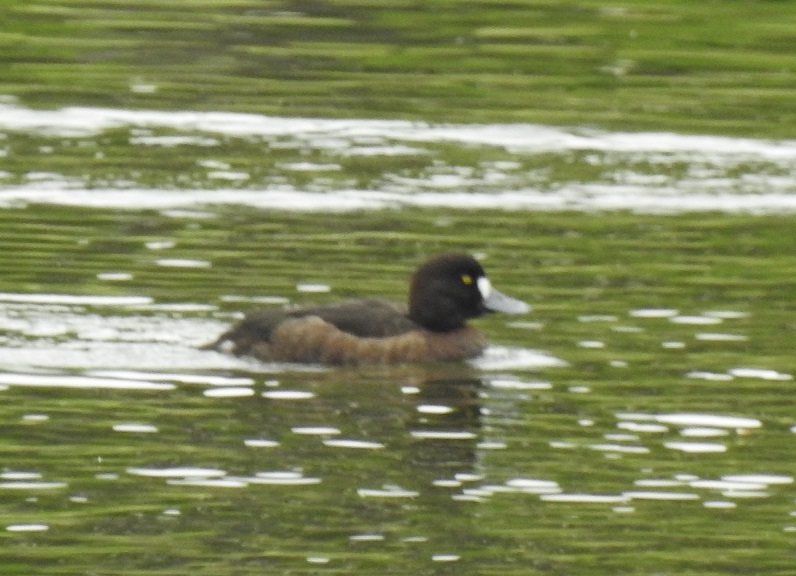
467 279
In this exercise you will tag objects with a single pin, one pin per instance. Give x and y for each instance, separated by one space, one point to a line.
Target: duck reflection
445 424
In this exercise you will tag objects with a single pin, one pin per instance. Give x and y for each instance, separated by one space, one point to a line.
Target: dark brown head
449 289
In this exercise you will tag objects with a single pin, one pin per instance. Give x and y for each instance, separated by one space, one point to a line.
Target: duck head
449 289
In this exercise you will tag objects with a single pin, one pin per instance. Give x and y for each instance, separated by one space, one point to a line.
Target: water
293 163
636 422
633 422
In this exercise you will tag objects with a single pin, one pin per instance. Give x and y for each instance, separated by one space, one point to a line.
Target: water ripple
709 181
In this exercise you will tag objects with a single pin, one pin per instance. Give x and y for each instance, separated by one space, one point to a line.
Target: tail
217 343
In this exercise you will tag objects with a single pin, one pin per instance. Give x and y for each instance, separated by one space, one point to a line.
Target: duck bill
499 302
496 301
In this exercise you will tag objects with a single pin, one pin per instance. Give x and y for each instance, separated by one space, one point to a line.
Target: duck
444 293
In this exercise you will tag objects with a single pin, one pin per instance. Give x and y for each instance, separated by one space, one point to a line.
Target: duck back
370 331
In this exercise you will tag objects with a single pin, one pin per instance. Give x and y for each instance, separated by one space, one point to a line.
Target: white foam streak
586 498
627 190
86 382
709 420
584 197
387 492
176 377
75 300
76 120
515 358
356 444
686 419
27 527
177 472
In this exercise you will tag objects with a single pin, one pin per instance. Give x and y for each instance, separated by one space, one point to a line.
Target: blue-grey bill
499 302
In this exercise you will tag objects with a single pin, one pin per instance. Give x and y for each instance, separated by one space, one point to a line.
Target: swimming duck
444 293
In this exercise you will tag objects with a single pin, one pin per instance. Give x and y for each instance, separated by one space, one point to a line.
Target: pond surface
115 158
638 421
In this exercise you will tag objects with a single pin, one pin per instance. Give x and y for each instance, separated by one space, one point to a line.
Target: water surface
633 422
161 160
636 422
